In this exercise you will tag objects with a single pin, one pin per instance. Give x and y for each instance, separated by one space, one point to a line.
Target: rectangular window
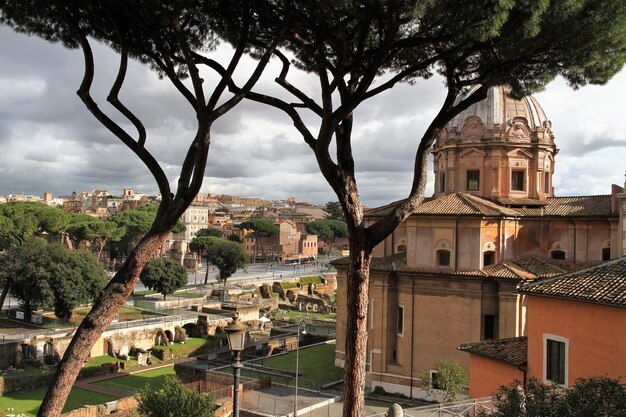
489 327
555 359
546 177
517 180
488 258
400 320
434 380
473 180
443 258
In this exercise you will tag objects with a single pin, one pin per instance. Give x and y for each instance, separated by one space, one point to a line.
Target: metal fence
465 408
12 338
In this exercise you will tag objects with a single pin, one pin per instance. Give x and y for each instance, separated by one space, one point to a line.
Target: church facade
449 274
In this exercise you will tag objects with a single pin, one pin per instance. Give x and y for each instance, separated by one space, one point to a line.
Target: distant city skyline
49 142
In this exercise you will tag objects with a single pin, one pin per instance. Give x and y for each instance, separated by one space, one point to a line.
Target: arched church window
401 248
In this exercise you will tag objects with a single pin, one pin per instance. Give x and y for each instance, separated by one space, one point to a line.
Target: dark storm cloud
50 142
596 143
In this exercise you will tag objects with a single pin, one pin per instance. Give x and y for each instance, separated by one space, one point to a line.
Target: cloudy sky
50 142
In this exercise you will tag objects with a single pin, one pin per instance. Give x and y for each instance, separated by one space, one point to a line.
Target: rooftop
524 268
602 284
464 204
513 351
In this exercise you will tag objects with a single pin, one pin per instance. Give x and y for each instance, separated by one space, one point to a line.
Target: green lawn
196 342
317 362
27 370
131 383
130 363
28 402
144 292
188 294
315 279
316 367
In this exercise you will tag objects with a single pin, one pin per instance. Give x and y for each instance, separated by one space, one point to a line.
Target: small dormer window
489 257
557 254
443 258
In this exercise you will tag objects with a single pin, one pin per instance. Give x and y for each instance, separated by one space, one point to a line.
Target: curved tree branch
281 80
379 230
113 98
85 95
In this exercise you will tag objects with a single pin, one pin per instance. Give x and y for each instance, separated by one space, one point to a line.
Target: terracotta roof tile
603 284
462 204
539 267
513 351
579 206
502 270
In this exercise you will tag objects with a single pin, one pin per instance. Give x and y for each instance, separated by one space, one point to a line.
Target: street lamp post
295 400
236 333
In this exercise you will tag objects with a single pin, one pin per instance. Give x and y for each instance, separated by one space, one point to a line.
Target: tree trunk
5 292
98 319
206 273
357 284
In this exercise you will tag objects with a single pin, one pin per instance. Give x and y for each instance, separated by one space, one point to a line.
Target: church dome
498 148
499 117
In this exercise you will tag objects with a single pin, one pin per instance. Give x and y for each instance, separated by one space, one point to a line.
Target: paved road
277 270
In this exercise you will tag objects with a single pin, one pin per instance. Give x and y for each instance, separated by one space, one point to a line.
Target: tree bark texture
98 319
357 284
5 292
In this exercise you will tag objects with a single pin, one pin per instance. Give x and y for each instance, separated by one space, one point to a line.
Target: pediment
472 152
519 153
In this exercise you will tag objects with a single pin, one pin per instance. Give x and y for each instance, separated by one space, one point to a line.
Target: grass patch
316 367
317 362
144 292
191 341
287 285
99 360
27 370
95 361
188 295
136 381
28 402
297 315
316 279
192 346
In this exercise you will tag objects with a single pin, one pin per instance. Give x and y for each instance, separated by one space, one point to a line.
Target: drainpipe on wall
524 369
456 244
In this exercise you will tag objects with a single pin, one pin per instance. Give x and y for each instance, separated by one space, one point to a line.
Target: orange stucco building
576 329
449 274
288 244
